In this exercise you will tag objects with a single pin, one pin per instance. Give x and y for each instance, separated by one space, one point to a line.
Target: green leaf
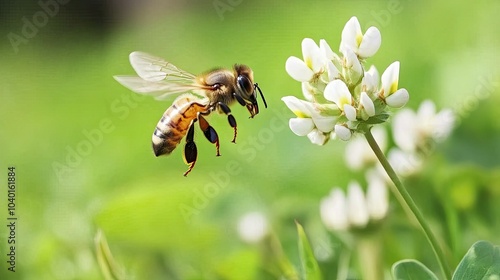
310 268
110 269
411 269
377 119
482 261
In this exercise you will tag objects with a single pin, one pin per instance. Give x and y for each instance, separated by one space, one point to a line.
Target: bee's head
245 89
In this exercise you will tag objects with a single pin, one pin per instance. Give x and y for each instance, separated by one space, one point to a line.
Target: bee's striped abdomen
174 124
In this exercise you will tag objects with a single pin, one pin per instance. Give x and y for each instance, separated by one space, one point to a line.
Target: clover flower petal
324 124
341 210
357 209
404 129
313 65
355 153
351 35
390 79
298 70
333 72
370 80
317 137
363 45
426 110
333 211
354 70
297 106
376 196
314 120
437 125
412 130
313 57
398 99
370 43
445 121
327 51
301 126
337 92
308 91
367 103
343 132
350 112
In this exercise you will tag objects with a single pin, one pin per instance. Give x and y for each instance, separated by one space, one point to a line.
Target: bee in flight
200 96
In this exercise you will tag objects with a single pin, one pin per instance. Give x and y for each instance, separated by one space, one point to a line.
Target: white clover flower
341 211
253 227
332 60
357 208
343 132
353 70
314 120
393 96
342 97
337 92
367 106
301 126
317 137
363 45
377 197
313 65
327 51
413 130
370 80
332 211
398 99
308 91
309 116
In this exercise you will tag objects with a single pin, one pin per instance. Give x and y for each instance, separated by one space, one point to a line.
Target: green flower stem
407 202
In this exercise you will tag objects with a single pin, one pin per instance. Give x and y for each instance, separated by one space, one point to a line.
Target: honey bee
199 96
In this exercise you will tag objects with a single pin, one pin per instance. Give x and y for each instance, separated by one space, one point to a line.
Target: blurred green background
80 141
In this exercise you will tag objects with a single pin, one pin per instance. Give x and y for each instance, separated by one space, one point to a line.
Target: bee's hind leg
190 150
209 132
230 118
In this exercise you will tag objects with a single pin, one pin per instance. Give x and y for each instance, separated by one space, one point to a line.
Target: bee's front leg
230 118
190 150
209 132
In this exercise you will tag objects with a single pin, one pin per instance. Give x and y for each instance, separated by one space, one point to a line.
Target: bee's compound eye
245 85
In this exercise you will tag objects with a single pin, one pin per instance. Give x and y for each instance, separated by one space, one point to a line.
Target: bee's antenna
261 95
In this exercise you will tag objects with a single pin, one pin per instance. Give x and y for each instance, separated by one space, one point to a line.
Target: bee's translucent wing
158 77
160 90
155 69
